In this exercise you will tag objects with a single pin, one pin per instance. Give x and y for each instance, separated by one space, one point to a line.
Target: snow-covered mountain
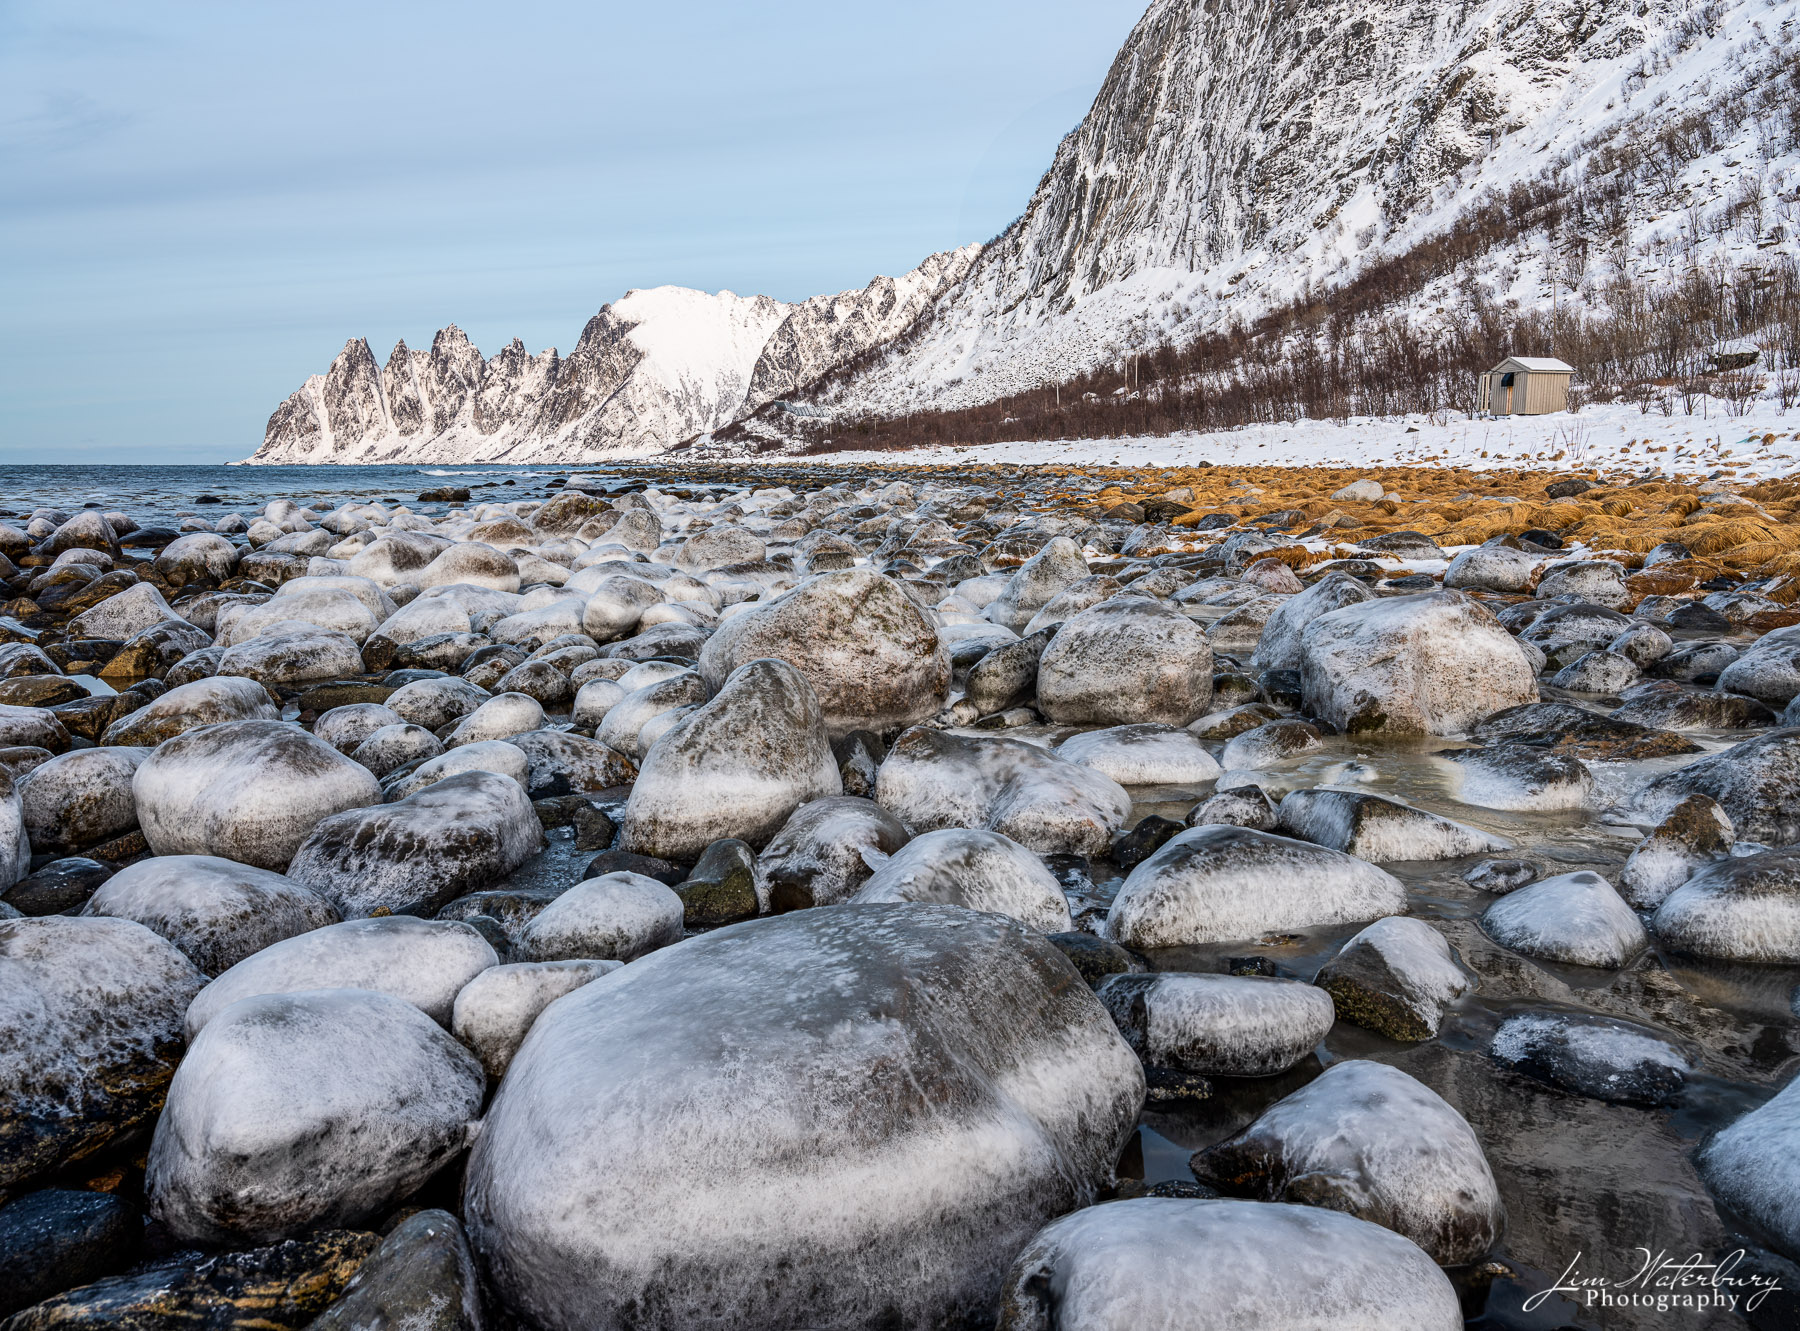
650 370
1247 154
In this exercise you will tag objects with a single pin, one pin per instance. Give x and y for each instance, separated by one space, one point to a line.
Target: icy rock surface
91 1011
421 1278
870 654
669 1141
1753 782
1741 909
826 851
624 722
1233 1025
434 703
1521 777
615 917
1149 753
410 857
1754 1166
957 866
216 911
488 755
325 607
494 1011
1602 1057
737 767
1176 1264
393 747
1369 1140
1279 646
79 799
499 717
1372 827
246 790
1395 977
186 707
1692 836
1036 582
1574 917
1269 744
298 1110
558 763
346 727
933 780
424 962
1130 659
1432 664
1214 883
291 651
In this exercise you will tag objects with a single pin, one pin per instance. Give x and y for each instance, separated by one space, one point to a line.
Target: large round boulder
205 702
80 799
959 866
1130 659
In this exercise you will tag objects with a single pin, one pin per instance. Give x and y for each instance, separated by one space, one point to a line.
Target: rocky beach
1052 898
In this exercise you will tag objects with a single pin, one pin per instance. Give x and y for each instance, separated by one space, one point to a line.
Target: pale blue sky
199 202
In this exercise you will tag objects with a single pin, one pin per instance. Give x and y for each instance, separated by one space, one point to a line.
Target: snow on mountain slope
650 370
1243 153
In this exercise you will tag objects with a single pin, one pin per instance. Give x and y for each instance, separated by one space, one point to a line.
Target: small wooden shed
1526 386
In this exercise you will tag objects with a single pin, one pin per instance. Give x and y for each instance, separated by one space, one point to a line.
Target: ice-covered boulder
292 652
15 843
1600 1057
958 866
216 911
422 1277
36 727
1568 630
247 790
1270 744
1753 782
414 855
1233 1025
870 654
1369 1140
615 917
1036 582
1600 581
1600 672
559 763
434 703
932 779
205 702
1240 806
1432 664
1214 883
1768 670
716 547
615 602
1130 659
1754 1166
488 755
1694 834
1279 646
1395 977
1745 908
500 717
472 563
494 1011
826 851
624 723
196 556
1006 675
1574 917
1492 568
736 767
123 615
786 1168
1177 1264
1149 753
91 1010
1373 827
1520 777
348 726
393 747
298 1110
80 799
425 962
326 607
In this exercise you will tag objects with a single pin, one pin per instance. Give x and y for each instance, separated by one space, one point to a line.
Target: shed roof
1534 364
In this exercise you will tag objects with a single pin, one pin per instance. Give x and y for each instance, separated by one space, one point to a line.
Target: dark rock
858 756
57 1240
1501 876
722 887
1568 489
344 693
421 1278
623 861
1599 1057
59 888
1095 957
1580 732
1280 688
1130 849
1173 1086
39 691
446 494
513 907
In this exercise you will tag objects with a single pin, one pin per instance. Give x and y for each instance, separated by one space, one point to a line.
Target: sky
200 203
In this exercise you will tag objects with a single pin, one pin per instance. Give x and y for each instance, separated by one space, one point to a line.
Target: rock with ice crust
434 703
326 607
932 1087
186 707
500 717
247 790
290 651
1036 582
422 1278
345 727
959 866
1521 777
826 851
1574 917
1395 978
931 779
1279 646
1746 908
1600 1057
625 720
1432 664
1754 1166
1269 744
488 755
425 962
1130 659
414 855
1149 753
79 799
1214 883
1177 1264
735 768
1231 1025
495 1010
1695 833
615 917
1375 828
1753 782
1367 1139
299 1110
216 911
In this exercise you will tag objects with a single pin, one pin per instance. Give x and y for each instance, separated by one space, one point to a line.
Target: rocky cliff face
650 370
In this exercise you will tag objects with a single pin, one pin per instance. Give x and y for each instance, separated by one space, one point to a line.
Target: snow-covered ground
1612 438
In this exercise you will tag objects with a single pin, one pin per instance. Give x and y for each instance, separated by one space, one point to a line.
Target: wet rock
738 766
1395 978
1242 806
1692 836
248 790
1753 782
1216 883
205 702
1603 1058
57 1239
1754 1166
1130 849
298 1110
1372 827
1412 665
980 870
933 780
1229 724
423 1277
93 1013
495 1010
1521 777
1206 1265
1095 957
1574 917
1367 1139
1267 745
1148 753
1230 1025
1580 733
614 917
59 888
1130 659
772 1114
722 887
1746 908
827 850
216 911
1501 876
424 962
